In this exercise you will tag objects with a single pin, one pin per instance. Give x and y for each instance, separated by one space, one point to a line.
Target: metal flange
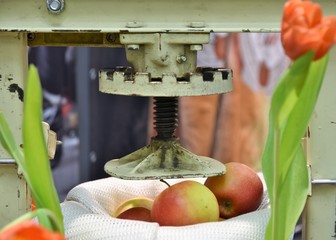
163 160
204 81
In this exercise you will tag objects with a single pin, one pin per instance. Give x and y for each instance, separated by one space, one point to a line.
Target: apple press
165 69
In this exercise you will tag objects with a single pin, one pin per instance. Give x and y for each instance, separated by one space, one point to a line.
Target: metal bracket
51 140
7 161
322 181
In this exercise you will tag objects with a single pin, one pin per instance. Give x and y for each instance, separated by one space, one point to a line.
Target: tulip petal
305 29
29 230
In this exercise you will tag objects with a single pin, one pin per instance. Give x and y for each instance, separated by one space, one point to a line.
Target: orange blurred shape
304 28
33 207
29 230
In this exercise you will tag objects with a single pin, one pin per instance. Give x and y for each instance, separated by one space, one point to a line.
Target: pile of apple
237 192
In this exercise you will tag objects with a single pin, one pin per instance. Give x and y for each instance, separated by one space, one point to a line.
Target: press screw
55 6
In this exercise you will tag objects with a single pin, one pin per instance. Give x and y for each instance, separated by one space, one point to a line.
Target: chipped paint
16 88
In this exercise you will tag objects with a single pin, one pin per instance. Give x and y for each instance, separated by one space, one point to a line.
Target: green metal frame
100 23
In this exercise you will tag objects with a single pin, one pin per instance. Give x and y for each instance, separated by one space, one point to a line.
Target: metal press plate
116 169
162 160
204 81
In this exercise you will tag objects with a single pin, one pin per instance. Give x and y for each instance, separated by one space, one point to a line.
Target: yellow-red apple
136 213
185 203
238 191
138 208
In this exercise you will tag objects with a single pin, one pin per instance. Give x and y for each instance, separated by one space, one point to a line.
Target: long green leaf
299 117
8 142
291 193
283 162
35 150
290 85
34 162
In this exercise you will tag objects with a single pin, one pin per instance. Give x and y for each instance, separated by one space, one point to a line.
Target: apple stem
162 180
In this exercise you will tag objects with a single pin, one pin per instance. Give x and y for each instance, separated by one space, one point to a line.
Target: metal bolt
133 47
55 6
31 36
134 24
111 37
197 24
181 59
196 47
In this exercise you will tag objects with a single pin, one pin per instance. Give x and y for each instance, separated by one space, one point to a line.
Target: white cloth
88 207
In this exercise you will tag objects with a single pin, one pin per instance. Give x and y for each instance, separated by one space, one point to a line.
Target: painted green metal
320 214
142 16
141 84
15 196
100 23
163 160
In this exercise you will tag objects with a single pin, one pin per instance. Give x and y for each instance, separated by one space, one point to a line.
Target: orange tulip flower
29 230
304 28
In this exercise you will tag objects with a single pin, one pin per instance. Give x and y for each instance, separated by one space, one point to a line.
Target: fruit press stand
148 29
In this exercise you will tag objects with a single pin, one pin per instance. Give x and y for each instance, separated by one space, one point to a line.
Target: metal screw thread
165 116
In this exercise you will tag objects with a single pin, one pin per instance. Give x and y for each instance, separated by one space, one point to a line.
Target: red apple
238 191
136 213
138 208
185 203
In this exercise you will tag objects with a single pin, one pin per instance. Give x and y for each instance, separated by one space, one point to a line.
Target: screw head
31 36
111 37
55 6
181 59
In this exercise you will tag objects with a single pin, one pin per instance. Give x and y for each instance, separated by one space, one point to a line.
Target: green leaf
34 162
290 86
8 142
283 160
48 217
299 117
291 193
35 150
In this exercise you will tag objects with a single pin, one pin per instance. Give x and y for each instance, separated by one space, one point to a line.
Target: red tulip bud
304 29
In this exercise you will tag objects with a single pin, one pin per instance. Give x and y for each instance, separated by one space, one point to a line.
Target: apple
136 213
137 208
185 203
238 191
